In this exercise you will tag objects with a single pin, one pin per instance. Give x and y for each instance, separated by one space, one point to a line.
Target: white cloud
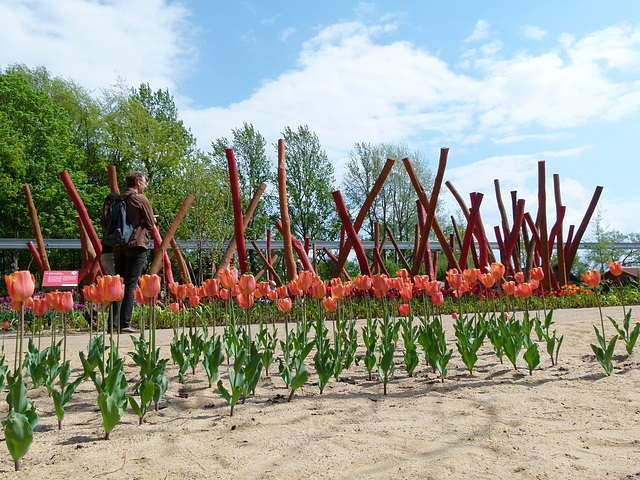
534 33
286 33
94 43
481 32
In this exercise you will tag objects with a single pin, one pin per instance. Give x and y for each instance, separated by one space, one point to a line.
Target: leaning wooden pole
33 215
444 243
430 211
157 241
157 258
113 178
84 217
362 215
562 271
575 242
246 218
36 256
298 247
289 260
351 233
267 264
237 211
182 265
405 264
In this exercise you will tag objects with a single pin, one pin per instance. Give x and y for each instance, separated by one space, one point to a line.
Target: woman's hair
133 177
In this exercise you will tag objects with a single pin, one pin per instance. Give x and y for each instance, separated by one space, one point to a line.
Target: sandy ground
566 421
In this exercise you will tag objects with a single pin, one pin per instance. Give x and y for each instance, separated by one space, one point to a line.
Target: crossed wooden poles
535 237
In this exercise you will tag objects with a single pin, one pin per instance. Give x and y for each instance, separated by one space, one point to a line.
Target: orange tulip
346 289
523 290
437 299
519 277
182 292
509 287
406 292
212 286
173 288
194 300
150 285
335 281
20 285
247 283
228 277
432 287
537 274
245 300
469 275
464 287
404 309
294 289
363 282
304 280
192 290
282 291
139 297
534 283
403 274
62 302
16 305
337 291
272 295
380 283
39 306
591 278
175 307
454 279
330 304
284 304
616 268
224 293
497 270
264 288
111 287
319 290
488 280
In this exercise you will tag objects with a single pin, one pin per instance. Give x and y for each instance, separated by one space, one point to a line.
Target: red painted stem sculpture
237 211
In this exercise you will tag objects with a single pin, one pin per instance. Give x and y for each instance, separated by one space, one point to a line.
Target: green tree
254 168
602 249
310 181
36 144
395 205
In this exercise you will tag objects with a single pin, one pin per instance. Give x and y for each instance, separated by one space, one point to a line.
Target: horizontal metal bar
74 244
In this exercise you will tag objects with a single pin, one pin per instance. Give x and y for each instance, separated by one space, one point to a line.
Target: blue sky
503 84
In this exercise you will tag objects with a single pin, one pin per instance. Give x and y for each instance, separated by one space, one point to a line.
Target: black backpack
117 231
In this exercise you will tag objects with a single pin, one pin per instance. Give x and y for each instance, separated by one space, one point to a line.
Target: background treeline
49 124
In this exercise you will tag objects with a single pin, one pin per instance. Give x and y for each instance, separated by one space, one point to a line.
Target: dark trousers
129 265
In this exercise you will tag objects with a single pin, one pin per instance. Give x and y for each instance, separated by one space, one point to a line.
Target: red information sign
60 278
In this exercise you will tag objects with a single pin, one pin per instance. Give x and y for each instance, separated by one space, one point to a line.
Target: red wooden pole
351 233
237 211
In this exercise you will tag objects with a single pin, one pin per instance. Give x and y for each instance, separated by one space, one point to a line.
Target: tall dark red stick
36 256
157 241
237 211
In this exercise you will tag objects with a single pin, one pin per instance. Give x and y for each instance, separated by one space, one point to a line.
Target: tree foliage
310 181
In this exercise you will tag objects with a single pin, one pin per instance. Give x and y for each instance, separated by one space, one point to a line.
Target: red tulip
616 268
20 285
6 325
330 304
284 304
537 273
591 278
404 309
